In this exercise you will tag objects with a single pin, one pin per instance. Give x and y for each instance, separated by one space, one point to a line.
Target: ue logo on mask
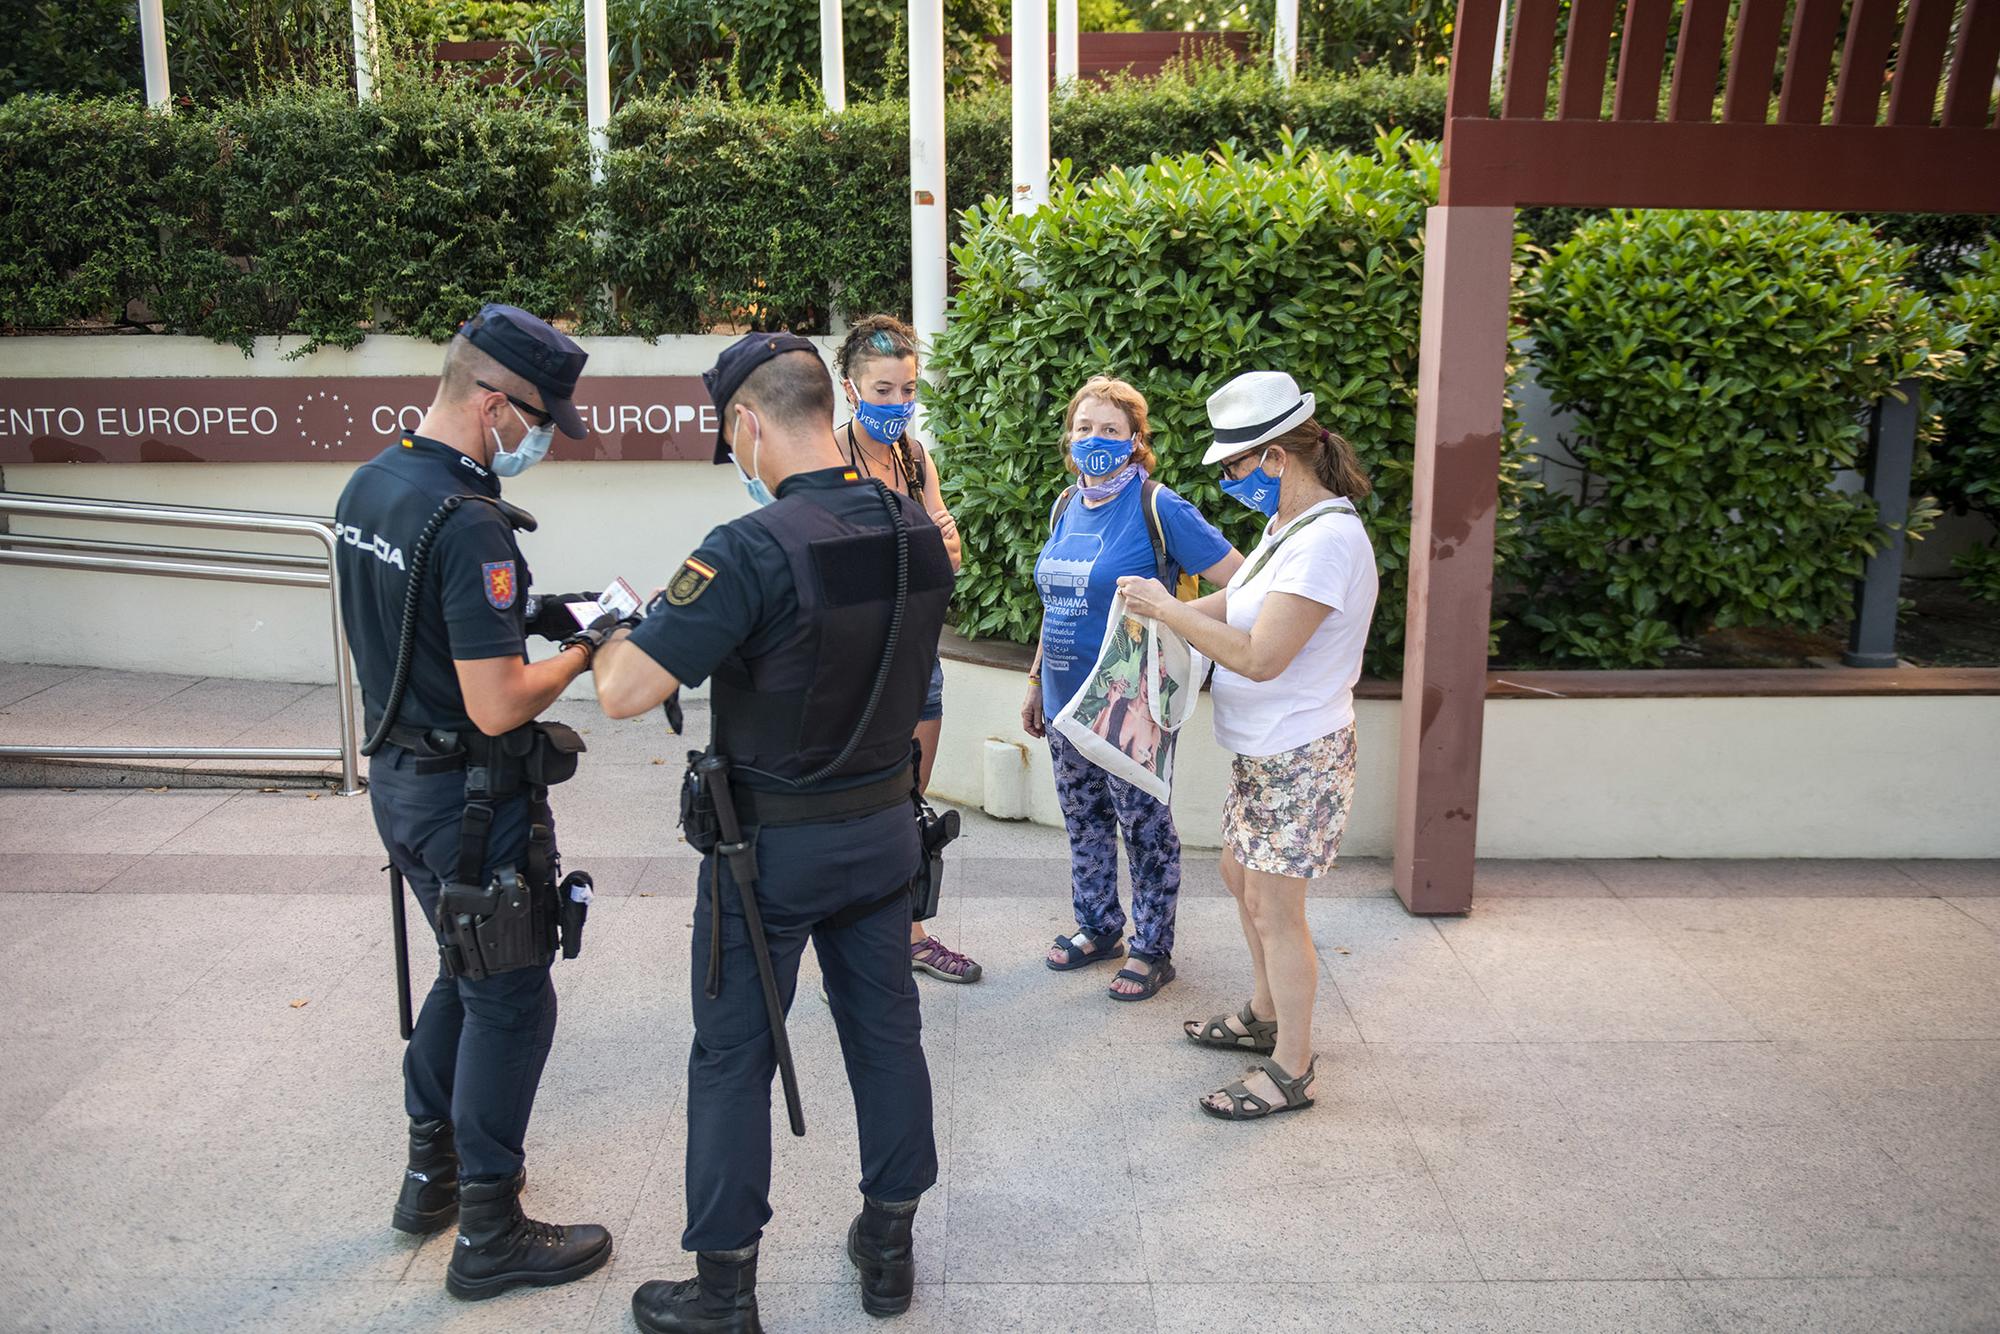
1098 462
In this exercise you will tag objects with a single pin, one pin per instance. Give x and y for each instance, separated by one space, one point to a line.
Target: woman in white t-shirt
1286 635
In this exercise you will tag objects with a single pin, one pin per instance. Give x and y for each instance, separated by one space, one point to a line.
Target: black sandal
1150 982
1110 945
1247 1106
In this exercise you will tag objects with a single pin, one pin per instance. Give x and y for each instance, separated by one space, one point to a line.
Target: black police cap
544 357
733 367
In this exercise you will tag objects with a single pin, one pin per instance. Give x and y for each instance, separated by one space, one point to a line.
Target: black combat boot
499 1247
430 1183
878 1241
720 1299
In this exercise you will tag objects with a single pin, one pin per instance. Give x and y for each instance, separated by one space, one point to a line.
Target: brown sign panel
281 419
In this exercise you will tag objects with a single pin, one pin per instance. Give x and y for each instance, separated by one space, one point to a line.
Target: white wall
1842 776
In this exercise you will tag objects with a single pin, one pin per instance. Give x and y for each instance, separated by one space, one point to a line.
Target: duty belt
757 807
436 750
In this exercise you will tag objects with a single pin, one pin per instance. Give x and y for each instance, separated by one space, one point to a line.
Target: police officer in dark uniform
434 597
791 612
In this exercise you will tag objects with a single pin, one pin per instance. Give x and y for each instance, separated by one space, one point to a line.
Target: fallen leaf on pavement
297 1004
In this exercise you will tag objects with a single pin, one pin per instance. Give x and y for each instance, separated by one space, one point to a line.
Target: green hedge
1715 364
1177 277
1964 465
300 212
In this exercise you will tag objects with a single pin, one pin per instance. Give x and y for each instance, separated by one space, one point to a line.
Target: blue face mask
759 493
884 422
1256 488
534 447
1099 456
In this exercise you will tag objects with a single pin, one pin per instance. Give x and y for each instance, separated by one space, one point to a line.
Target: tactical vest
792 710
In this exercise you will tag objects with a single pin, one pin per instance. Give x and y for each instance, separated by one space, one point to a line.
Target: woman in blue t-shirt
1099 532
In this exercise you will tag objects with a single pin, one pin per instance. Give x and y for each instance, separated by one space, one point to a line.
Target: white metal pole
1031 105
597 83
927 149
153 42
832 56
363 14
1065 46
1285 40
1500 45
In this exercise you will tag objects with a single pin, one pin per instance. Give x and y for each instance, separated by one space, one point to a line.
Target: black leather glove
548 614
592 636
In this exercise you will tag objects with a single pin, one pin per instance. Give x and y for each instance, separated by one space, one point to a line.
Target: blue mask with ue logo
1097 456
1256 488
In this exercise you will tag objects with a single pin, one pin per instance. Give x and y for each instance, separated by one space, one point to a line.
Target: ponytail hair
1330 456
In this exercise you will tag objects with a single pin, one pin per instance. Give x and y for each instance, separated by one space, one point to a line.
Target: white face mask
534 447
752 483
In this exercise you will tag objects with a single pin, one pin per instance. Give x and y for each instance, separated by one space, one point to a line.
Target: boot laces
537 1233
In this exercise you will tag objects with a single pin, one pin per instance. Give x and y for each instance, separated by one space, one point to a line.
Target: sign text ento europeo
265 419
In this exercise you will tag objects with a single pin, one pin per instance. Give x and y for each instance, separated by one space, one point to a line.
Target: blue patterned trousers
1096 807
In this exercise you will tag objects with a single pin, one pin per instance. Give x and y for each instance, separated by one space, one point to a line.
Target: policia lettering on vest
816 620
459 777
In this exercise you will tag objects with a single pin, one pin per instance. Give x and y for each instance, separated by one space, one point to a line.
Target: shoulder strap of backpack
1062 503
1162 566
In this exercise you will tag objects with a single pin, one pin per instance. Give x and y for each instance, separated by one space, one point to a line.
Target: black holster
520 916
934 831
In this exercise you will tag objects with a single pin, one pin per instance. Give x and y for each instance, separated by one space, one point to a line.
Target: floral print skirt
1284 813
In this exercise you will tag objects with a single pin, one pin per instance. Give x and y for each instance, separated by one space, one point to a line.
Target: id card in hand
618 600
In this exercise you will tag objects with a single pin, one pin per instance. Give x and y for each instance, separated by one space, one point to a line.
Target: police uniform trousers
807 874
476 1055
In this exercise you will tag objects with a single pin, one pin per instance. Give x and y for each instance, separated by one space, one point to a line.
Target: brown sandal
1247 1106
1262 1034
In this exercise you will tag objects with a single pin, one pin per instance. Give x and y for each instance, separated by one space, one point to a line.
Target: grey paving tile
301 823
1032 1229
40 1073
1657 877
1840 968
1980 909
215 873
1825 878
19 680
37 820
1383 1222
218 711
159 948
422 1304
1974 878
1397 977
1587 970
1620 1087
1541 1203
1468 1087
1430 1308
107 1303
86 707
1528 879
59 873
1773 1203
619 810
1852 1306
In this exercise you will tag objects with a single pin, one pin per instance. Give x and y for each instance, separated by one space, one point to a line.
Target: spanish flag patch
689 582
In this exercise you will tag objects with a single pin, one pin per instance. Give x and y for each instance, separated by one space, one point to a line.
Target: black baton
402 934
714 771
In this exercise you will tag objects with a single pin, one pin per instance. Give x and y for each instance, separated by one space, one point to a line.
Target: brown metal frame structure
1748 137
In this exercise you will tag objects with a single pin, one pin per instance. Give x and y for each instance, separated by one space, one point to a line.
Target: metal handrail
192 563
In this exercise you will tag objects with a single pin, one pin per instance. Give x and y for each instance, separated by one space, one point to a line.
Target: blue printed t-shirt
1078 571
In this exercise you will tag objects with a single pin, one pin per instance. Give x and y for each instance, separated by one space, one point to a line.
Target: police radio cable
420 557
901 526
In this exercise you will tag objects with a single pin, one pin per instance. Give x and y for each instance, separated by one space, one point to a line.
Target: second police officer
816 616
434 600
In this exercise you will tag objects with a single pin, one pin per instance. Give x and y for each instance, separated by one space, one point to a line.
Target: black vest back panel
792 710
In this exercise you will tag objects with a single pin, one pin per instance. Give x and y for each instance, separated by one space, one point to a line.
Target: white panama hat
1254 407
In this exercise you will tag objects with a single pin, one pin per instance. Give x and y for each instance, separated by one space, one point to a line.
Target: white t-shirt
1331 562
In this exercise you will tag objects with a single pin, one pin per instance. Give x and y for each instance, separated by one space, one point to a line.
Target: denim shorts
934 698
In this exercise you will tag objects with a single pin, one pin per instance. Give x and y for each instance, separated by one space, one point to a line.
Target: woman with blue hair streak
877 365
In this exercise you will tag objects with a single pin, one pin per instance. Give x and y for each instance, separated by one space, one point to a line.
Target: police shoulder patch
501 586
689 582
